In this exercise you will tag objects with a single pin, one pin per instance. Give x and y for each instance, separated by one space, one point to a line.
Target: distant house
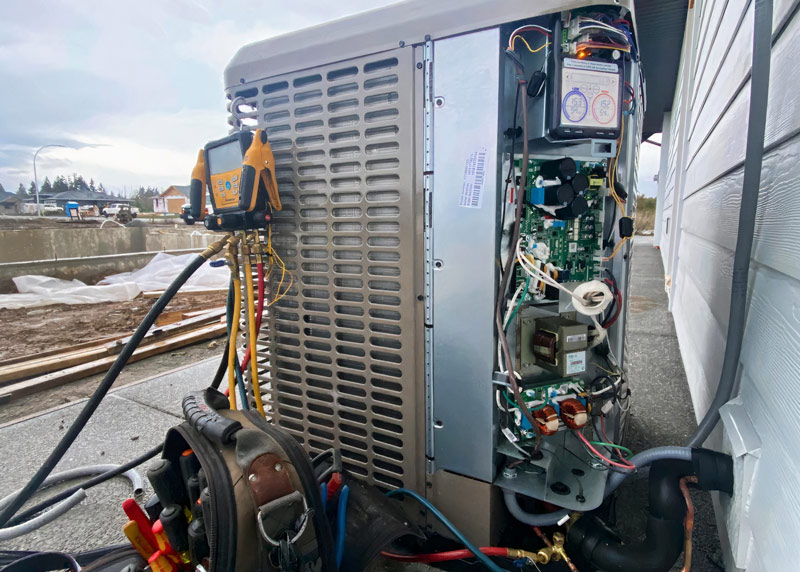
10 203
171 200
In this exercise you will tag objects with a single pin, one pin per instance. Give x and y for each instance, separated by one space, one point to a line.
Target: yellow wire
527 45
252 334
237 309
612 177
616 248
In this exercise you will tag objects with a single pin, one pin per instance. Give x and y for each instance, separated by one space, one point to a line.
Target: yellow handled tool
197 187
258 175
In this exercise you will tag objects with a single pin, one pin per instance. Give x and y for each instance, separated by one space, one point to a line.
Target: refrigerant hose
94 401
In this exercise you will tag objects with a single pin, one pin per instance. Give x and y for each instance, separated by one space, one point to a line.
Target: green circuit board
572 243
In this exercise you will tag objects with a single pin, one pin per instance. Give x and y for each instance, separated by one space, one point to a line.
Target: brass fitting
553 551
517 553
214 248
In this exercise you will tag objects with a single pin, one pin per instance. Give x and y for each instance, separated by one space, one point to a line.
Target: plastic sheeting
37 290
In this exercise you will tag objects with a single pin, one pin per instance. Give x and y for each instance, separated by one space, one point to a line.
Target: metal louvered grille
337 352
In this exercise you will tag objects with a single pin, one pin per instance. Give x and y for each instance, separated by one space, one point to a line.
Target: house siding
702 176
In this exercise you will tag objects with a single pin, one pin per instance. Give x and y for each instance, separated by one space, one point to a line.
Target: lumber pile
24 375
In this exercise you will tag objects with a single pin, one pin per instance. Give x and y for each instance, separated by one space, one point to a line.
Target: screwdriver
198 542
137 539
137 515
160 562
167 483
173 521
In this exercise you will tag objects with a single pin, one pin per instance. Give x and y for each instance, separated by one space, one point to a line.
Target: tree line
61 184
142 197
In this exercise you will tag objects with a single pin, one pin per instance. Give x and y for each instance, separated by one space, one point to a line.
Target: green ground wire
628 452
521 299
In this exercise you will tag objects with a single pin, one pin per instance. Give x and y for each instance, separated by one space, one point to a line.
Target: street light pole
36 179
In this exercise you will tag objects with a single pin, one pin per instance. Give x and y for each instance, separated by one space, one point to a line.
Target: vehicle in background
125 214
186 212
114 208
49 208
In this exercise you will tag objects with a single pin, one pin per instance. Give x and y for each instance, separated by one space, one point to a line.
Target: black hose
94 401
87 484
222 368
664 531
759 92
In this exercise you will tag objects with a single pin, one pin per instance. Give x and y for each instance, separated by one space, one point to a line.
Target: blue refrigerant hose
482 558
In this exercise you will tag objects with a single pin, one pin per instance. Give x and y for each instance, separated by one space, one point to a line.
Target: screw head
278 467
402 43
438 101
419 65
252 478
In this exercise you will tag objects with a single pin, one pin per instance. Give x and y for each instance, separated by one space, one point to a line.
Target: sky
134 88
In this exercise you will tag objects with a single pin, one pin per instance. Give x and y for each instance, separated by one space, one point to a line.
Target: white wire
580 296
601 25
528 27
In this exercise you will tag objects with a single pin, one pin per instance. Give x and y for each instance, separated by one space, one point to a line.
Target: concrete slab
119 431
165 392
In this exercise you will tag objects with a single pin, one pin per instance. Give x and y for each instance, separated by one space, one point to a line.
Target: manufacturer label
576 338
474 177
573 247
509 435
575 363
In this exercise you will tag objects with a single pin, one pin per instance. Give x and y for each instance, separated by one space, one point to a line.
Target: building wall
702 173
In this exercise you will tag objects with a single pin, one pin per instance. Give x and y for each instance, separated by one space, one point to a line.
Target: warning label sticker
575 363
474 177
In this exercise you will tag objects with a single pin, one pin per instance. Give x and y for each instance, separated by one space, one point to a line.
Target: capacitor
560 195
576 208
580 183
565 169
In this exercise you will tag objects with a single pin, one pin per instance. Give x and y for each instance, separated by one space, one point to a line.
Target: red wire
628 466
605 437
259 315
445 556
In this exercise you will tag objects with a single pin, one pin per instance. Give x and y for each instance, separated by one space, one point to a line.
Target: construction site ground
29 331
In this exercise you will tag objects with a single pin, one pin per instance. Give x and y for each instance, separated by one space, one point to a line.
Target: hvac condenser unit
398 138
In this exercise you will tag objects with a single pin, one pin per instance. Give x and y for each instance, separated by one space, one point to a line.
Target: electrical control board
565 242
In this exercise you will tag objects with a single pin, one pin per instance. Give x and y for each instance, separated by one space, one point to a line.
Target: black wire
82 558
511 165
94 401
87 484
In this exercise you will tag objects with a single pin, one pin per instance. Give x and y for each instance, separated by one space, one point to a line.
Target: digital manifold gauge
239 174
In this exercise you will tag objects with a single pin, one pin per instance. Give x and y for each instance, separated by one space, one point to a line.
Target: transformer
393 138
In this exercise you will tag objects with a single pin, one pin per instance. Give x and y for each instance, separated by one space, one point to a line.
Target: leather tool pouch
259 500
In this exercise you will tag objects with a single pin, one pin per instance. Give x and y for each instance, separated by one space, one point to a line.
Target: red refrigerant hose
450 555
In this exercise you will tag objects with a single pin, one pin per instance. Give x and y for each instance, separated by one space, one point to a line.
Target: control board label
590 65
474 177
575 363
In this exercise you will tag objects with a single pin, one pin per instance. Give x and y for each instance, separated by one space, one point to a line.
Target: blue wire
341 524
323 491
485 560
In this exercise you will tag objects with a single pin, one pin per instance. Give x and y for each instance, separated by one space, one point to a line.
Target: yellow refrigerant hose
237 308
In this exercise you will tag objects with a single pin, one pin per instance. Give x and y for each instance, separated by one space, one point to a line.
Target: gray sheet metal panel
338 354
404 23
464 248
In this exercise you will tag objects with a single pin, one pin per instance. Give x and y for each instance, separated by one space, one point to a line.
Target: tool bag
260 503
